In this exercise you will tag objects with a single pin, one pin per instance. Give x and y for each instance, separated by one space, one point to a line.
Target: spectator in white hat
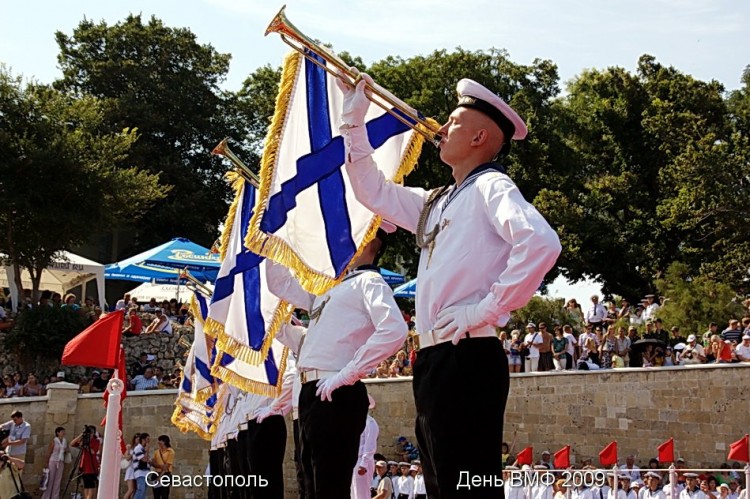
693 353
465 290
742 351
532 342
384 487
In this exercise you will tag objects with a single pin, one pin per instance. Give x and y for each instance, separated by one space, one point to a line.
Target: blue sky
709 39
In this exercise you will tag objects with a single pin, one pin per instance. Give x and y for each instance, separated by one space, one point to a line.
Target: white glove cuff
488 311
357 143
350 374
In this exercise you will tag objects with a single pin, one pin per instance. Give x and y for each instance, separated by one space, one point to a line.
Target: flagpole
109 476
672 482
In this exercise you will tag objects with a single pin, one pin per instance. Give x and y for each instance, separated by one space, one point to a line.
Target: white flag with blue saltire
196 394
244 315
307 217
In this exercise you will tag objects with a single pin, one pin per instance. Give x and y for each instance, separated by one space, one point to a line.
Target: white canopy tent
161 292
65 273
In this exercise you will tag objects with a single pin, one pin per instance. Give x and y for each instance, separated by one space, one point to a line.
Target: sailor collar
362 268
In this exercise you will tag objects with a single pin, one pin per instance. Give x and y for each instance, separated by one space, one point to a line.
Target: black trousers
298 460
264 446
216 461
329 438
161 492
460 393
235 458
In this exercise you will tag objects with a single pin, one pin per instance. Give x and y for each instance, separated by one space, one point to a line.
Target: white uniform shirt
668 487
283 403
542 492
420 488
581 493
620 494
515 491
596 313
404 485
692 494
359 322
653 494
368 444
492 242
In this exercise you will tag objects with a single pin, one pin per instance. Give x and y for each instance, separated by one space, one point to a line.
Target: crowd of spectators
652 482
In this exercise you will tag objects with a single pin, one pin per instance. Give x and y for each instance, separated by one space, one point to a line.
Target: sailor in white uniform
485 251
405 481
420 491
353 327
512 490
653 490
365 468
692 490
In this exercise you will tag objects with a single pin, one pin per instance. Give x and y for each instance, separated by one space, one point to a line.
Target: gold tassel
251 386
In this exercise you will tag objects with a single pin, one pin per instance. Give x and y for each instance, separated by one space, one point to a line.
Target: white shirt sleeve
368 443
284 285
398 204
534 246
291 337
390 328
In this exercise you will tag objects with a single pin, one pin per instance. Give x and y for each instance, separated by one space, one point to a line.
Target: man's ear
480 137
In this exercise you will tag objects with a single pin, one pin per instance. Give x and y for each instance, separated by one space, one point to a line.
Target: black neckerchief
362 268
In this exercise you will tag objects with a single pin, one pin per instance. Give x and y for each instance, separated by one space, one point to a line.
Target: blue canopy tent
391 277
163 264
408 290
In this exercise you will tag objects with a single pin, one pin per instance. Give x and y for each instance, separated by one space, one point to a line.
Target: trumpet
377 94
222 149
216 247
194 284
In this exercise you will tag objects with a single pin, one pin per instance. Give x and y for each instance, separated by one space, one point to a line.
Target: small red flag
98 345
740 450
526 456
608 455
666 451
562 458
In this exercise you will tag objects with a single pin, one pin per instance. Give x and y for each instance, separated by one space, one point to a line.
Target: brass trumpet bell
194 284
377 94
222 149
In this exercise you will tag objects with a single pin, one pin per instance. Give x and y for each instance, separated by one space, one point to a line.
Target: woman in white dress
55 463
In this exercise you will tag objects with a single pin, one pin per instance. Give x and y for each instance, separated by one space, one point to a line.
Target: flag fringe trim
272 246
202 394
251 386
226 343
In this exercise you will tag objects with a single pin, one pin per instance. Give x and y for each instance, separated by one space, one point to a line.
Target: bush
42 332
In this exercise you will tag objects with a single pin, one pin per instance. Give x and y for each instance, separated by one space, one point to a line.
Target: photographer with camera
18 432
88 462
141 465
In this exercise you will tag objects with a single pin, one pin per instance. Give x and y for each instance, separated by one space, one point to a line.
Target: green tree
696 301
632 137
162 81
62 178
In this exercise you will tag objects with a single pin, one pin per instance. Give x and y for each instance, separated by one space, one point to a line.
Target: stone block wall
703 407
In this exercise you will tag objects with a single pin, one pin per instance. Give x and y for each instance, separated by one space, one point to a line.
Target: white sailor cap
392 463
381 463
475 96
653 475
691 475
404 463
624 476
530 324
636 484
413 467
417 462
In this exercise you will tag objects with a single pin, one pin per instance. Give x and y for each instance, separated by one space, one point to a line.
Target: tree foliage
162 81
62 177
43 332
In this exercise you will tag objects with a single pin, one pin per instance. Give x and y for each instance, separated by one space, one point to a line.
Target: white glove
456 321
264 412
327 386
356 102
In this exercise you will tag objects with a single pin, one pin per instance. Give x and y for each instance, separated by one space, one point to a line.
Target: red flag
608 455
98 345
526 456
740 450
120 374
562 458
666 451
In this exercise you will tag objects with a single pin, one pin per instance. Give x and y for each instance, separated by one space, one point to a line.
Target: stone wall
703 407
